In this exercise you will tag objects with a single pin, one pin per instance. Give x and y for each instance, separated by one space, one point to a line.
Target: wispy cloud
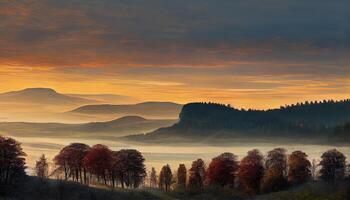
179 50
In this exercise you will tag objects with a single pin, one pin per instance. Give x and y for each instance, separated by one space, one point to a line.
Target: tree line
253 174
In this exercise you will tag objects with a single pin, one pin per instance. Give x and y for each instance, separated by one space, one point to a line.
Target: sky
248 53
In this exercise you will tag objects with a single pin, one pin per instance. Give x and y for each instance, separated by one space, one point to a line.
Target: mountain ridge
117 127
210 120
151 108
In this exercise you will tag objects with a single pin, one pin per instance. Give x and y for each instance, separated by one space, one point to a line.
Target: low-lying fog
158 155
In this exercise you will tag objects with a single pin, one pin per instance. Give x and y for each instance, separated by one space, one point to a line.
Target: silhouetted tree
130 167
181 176
276 170
298 168
197 175
98 161
153 178
222 170
165 178
42 167
70 160
251 171
12 160
332 165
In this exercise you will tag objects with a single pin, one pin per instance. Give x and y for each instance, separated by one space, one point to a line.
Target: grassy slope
33 188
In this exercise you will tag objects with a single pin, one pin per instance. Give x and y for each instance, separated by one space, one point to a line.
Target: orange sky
181 51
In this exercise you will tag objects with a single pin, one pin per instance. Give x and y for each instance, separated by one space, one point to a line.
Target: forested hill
302 115
303 119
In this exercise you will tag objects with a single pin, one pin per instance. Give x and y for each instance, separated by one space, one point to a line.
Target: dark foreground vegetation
316 122
33 188
80 170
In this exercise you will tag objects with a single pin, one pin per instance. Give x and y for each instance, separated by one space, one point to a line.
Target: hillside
200 121
44 96
150 109
33 188
118 127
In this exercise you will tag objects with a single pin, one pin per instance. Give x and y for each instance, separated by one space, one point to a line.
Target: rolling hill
44 96
314 121
145 109
119 127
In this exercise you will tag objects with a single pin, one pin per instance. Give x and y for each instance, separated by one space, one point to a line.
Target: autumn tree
12 161
222 170
153 178
42 167
182 176
128 165
165 178
251 171
71 161
98 161
298 168
197 175
332 165
276 169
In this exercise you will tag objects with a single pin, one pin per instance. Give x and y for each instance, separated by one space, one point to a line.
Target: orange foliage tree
276 171
299 168
251 171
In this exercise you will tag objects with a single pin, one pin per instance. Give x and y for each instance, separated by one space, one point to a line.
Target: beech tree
129 167
222 170
12 160
299 168
332 165
165 178
98 161
182 176
276 170
197 175
251 171
42 167
71 161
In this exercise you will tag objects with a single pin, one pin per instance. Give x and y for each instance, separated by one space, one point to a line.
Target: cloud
212 47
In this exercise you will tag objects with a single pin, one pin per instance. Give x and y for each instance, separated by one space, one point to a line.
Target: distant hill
200 121
119 127
108 98
42 96
152 109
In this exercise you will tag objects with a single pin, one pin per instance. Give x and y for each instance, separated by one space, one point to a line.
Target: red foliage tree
71 161
222 170
251 171
98 161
